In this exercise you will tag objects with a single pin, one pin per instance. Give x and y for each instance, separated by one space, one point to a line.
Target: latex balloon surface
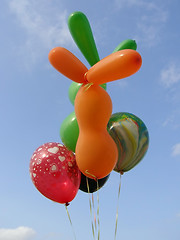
126 44
96 152
131 137
93 186
116 66
82 34
67 64
74 88
69 131
54 172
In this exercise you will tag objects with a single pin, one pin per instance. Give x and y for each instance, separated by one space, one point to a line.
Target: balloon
131 137
74 88
81 32
126 44
96 152
54 172
67 64
117 65
69 131
92 183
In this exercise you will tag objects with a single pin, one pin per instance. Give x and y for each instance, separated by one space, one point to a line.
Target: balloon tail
116 224
90 205
66 204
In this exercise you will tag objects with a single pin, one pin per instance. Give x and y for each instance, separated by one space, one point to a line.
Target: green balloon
80 30
104 85
74 88
69 131
126 44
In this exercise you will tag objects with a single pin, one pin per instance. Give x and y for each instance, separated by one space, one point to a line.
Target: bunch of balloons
95 140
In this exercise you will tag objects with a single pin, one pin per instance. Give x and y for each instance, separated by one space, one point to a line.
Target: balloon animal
96 152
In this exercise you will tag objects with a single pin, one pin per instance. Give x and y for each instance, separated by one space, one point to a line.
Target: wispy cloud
44 26
168 121
20 233
172 119
132 3
176 150
150 22
170 75
170 80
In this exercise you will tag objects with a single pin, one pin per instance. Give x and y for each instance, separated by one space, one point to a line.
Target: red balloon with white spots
54 172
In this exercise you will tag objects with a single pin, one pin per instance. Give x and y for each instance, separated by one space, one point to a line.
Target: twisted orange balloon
96 151
117 65
67 64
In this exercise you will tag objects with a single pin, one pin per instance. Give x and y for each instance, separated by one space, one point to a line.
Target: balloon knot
91 175
67 204
85 78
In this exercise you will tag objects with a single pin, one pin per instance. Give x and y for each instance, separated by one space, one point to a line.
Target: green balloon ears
81 32
126 44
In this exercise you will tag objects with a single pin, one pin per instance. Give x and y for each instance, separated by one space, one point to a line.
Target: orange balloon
117 65
67 64
96 152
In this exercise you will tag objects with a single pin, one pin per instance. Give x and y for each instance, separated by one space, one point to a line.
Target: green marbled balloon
131 137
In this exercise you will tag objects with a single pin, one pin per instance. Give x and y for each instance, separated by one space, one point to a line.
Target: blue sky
34 102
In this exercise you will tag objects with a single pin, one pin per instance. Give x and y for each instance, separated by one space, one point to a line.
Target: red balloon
54 172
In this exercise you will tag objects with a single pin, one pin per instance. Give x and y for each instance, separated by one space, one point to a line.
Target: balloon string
88 85
115 234
94 213
98 210
90 204
70 221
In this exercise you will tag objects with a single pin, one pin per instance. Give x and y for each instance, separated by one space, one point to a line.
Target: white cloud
168 121
20 233
176 150
170 75
149 22
172 119
44 26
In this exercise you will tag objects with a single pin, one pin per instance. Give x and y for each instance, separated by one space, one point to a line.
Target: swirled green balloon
131 137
